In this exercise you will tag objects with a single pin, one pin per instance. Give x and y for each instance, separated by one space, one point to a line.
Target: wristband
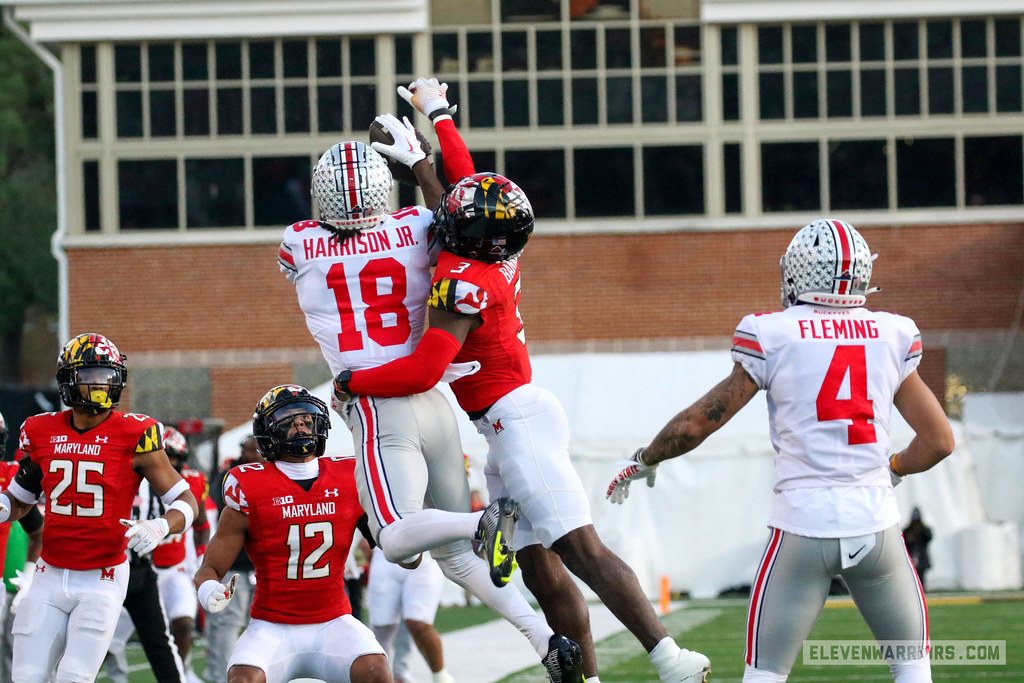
171 494
342 380
892 466
185 509
438 113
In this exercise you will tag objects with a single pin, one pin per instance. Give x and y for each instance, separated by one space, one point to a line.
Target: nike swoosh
853 555
411 147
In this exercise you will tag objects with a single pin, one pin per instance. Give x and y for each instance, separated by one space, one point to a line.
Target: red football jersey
467 286
89 483
7 471
171 550
298 540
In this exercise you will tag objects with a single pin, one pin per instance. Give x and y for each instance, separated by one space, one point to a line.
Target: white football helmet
352 185
827 263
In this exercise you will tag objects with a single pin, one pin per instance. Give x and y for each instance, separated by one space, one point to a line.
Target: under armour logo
40 568
102 439
497 427
331 493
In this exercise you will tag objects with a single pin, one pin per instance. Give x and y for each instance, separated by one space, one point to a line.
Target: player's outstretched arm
227 542
933 438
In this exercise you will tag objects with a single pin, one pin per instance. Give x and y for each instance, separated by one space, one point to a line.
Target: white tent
704 524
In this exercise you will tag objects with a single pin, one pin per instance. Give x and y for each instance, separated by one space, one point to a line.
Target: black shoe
495 534
564 660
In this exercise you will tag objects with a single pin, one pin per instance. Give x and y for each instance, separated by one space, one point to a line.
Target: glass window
940 39
872 92
617 53
514 55
1007 88
730 46
261 59
328 58
975 89
127 63
584 101
992 171
229 60
91 195
790 176
583 46
839 86
87 55
673 180
904 41
940 90
769 44
329 108
687 47
161 113
197 111
731 97
858 175
403 55
772 91
90 121
619 99
161 62
805 95
654 99
446 53
364 106
481 114
229 111
689 99
805 44
872 42
908 92
293 55
608 192
530 11
280 190
479 52
733 177
925 172
148 194
652 48
1008 37
193 61
129 114
837 42
214 193
263 119
541 174
296 109
516 109
549 102
973 40
549 50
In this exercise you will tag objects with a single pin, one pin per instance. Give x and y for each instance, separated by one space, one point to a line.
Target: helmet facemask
351 184
485 217
291 421
827 263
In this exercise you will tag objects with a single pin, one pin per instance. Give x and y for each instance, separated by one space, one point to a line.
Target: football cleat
494 531
689 667
564 660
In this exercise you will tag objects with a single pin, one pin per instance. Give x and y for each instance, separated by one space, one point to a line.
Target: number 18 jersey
364 297
830 375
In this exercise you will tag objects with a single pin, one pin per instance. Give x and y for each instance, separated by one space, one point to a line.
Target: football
399 171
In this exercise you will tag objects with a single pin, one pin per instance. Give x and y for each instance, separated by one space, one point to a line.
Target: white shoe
191 677
443 677
689 667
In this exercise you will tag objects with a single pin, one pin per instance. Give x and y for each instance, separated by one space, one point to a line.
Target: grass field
715 627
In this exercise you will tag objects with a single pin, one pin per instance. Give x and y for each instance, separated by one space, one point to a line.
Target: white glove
22 579
214 596
428 97
630 471
5 507
145 535
406 148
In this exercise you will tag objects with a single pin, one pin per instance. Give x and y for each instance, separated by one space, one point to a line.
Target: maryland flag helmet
91 360
485 217
273 418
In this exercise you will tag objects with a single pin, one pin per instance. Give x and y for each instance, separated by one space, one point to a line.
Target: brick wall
576 289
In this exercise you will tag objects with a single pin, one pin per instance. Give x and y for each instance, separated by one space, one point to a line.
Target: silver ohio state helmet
351 184
827 263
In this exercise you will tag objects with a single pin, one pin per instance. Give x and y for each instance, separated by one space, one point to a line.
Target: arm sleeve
363 524
32 521
414 374
29 478
457 161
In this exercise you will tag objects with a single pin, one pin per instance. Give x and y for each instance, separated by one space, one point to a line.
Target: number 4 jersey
364 297
830 375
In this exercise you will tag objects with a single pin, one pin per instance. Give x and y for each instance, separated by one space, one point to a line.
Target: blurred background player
88 462
296 515
832 371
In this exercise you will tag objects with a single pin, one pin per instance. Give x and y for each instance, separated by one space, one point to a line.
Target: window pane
620 99
730 47
403 55
541 174
514 56
925 173
91 195
328 58
857 175
769 44
261 60
584 101
872 93
364 106
904 41
940 90
293 54
652 47
480 52
229 61
329 108
689 99
805 44
654 98
161 62
129 114
1007 88
673 180
193 61
280 190
872 42
549 50
127 63
1008 37
790 176
161 113
687 46
992 170
87 55
972 38
837 42
229 111
90 122
263 120
296 109
616 51
446 52
516 108
975 80
805 94
148 194
840 93
549 103
908 92
940 39
772 93
214 195
197 111
731 97
733 178
583 46
608 193
481 94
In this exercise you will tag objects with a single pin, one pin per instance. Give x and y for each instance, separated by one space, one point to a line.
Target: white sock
919 671
664 653
592 679
752 675
424 530
470 572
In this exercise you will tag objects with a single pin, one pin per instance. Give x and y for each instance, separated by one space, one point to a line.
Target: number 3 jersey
830 375
298 540
364 297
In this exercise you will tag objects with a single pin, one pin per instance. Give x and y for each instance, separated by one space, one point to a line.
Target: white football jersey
364 298
830 375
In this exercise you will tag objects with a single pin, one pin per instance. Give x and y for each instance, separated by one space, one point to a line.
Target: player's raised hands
629 471
429 97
